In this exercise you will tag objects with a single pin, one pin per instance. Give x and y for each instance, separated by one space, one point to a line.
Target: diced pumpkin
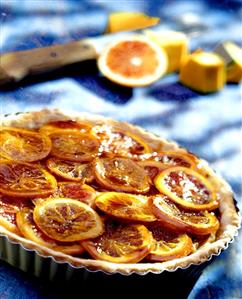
123 21
174 43
203 72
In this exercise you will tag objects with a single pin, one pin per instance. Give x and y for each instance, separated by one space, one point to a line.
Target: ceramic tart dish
94 194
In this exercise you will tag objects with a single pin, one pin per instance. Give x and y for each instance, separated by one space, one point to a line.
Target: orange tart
96 193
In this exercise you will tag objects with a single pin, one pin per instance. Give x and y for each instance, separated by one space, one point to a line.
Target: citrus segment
67 220
133 61
168 245
70 170
120 243
125 206
29 230
25 180
121 174
201 223
23 145
74 146
122 21
187 188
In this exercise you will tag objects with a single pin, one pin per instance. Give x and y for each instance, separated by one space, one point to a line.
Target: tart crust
229 220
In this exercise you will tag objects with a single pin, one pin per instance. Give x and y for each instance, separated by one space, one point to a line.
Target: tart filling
109 196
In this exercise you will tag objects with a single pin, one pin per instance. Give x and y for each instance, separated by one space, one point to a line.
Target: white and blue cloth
207 125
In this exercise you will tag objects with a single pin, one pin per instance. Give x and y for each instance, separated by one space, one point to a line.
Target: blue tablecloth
208 125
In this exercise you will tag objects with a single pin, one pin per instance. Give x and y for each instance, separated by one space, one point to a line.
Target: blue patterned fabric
208 125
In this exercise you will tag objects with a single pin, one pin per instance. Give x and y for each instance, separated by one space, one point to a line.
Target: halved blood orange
23 145
70 170
121 174
115 141
67 220
74 146
25 180
133 61
30 230
168 245
65 125
125 206
198 223
187 188
120 243
178 158
74 190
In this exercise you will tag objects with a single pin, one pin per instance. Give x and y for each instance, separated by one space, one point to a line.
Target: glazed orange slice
69 170
168 245
23 145
119 142
133 61
29 230
25 180
120 174
74 146
152 168
187 188
200 241
125 206
170 158
8 216
54 126
198 223
120 243
67 220
83 193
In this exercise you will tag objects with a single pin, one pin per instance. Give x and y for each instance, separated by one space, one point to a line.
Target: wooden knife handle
16 65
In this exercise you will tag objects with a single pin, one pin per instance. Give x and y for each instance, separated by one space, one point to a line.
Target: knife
14 66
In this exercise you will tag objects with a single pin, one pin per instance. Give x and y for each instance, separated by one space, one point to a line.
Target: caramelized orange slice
187 188
23 145
69 170
168 245
125 206
29 230
152 168
200 223
169 158
67 220
54 126
122 175
8 215
119 142
133 61
83 193
74 146
25 180
120 243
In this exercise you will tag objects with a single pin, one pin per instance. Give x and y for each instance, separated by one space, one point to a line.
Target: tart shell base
30 257
76 279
